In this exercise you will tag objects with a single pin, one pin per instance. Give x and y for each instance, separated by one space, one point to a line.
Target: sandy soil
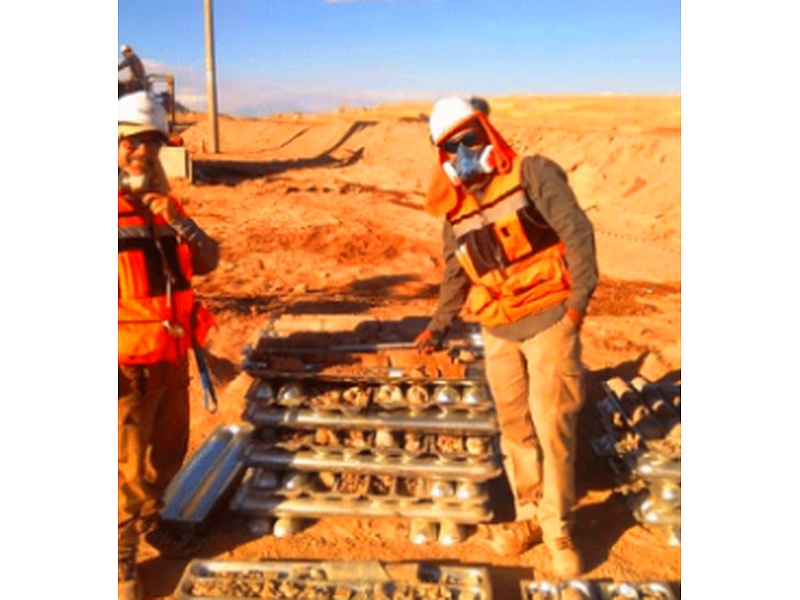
321 214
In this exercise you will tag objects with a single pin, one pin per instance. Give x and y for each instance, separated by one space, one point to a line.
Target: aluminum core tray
356 580
374 352
254 502
310 419
261 455
596 590
208 477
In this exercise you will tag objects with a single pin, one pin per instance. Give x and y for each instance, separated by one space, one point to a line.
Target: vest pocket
129 264
142 343
478 301
541 281
512 238
530 286
483 249
537 231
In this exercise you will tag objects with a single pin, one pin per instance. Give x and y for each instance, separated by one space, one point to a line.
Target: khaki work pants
537 387
153 415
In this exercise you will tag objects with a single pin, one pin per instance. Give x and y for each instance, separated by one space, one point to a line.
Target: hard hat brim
455 128
127 129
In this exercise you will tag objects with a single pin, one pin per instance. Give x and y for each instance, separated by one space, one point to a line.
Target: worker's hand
161 205
576 317
428 341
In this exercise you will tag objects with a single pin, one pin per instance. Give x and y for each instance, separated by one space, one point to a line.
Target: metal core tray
365 580
596 590
259 503
208 477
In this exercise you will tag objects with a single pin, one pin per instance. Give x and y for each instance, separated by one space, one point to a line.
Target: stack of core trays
642 444
347 424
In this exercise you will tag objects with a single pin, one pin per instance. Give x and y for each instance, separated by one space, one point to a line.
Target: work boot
567 562
166 540
129 586
512 539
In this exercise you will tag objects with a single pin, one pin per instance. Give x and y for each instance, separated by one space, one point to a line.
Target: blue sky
308 55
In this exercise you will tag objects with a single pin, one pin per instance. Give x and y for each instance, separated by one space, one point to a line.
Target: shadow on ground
234 172
356 297
226 532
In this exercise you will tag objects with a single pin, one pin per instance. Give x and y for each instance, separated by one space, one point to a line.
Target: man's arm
454 288
205 249
556 202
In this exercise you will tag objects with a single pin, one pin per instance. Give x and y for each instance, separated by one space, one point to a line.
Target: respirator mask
471 161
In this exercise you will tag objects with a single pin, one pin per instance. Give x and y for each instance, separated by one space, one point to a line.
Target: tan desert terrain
321 214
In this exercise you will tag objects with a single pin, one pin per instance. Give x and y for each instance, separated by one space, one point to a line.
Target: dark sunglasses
469 139
133 142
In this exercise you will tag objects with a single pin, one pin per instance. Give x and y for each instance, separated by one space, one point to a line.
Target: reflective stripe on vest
126 232
490 214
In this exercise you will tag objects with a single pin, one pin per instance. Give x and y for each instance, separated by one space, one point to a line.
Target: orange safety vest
513 257
157 315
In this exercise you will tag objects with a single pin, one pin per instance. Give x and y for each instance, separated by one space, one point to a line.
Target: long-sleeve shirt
136 67
205 249
546 186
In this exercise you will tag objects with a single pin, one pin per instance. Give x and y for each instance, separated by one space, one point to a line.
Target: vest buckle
173 330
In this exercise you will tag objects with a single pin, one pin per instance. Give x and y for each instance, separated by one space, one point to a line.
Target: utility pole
211 85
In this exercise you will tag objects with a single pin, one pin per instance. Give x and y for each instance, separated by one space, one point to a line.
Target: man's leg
134 416
507 375
556 397
169 440
505 371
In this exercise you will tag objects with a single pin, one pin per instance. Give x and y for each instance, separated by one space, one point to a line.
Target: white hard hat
124 48
447 115
139 112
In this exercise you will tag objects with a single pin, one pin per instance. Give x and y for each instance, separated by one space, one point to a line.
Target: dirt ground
320 214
